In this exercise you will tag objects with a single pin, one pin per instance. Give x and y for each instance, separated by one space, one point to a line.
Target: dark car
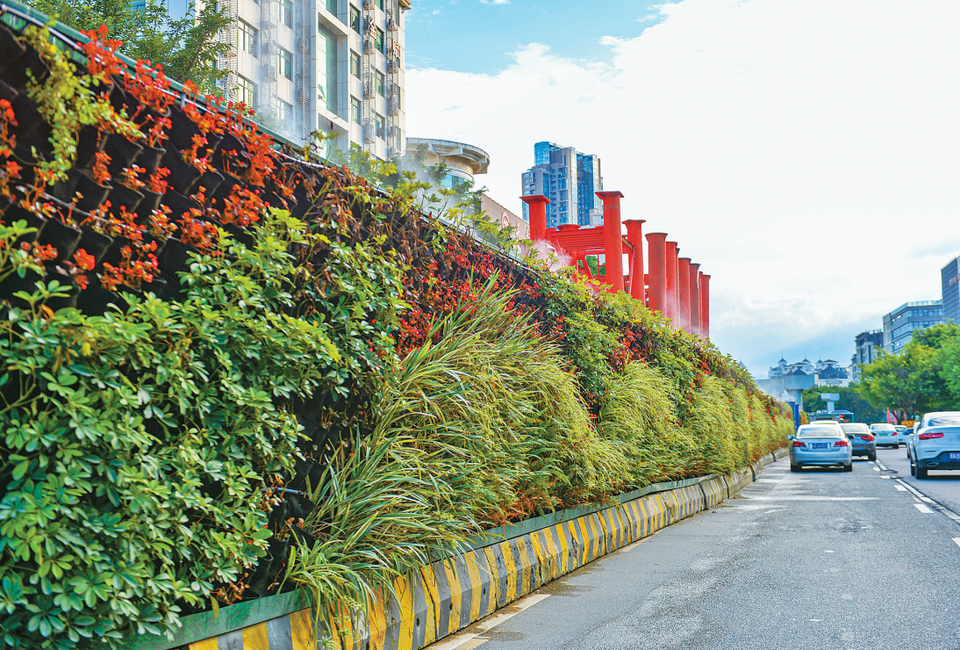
859 435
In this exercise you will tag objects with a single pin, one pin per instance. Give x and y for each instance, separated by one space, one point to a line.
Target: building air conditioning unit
391 25
368 45
303 45
368 133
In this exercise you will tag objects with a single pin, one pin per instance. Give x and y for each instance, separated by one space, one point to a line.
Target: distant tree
187 47
812 402
907 383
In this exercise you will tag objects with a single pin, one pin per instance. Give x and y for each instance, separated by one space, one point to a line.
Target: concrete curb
449 595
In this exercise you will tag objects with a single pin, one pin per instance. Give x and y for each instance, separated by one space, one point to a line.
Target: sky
805 152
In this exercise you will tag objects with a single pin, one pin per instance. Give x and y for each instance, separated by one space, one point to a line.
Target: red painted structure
656 252
705 305
694 299
638 288
674 287
538 215
683 268
612 239
672 306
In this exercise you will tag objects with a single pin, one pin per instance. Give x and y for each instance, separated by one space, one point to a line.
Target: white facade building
334 66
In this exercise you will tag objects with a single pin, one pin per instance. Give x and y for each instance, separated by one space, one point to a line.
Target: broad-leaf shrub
141 450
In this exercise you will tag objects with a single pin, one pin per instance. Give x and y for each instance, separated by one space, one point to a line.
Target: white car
885 434
936 443
821 444
902 433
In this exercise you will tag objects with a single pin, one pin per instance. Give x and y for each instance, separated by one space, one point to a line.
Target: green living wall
228 370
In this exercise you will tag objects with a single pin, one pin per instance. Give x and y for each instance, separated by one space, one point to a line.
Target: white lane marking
829 551
926 500
882 466
816 620
901 488
884 476
957 540
630 547
876 469
460 640
922 508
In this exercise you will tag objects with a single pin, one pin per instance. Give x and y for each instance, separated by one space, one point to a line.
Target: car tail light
868 438
840 443
797 443
928 436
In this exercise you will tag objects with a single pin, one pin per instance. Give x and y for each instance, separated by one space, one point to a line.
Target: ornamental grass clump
497 416
640 416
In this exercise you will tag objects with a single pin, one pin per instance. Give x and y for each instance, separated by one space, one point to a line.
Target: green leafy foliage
142 449
187 47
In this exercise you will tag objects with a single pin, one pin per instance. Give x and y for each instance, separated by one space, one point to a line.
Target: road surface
816 559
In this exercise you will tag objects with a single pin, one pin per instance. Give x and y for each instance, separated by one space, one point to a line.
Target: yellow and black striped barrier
449 595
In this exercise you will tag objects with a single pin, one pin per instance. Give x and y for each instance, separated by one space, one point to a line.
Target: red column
612 239
673 295
695 299
538 215
705 305
635 237
656 249
683 280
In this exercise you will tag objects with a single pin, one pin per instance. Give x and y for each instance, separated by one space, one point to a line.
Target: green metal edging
204 625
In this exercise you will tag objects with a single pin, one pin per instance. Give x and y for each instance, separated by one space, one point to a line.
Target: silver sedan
820 444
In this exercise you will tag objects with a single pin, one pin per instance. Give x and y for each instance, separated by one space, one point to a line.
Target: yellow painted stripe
255 637
584 533
407 615
206 644
554 554
564 549
475 587
453 624
493 589
575 562
510 565
301 630
523 560
637 519
432 616
377 623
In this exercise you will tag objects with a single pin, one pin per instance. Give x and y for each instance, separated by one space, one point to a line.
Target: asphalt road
817 559
942 487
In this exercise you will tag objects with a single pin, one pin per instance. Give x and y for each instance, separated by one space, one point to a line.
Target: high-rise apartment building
950 283
570 180
334 66
899 325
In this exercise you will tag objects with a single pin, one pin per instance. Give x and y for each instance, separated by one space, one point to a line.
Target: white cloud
805 152
495 2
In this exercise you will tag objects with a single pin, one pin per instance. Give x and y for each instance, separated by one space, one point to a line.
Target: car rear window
819 432
882 427
855 429
944 421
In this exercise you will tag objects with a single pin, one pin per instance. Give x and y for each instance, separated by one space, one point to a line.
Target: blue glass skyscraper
570 180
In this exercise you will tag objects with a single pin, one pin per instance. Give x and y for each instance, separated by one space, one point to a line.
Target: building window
248 39
381 127
286 13
355 18
381 41
355 109
380 3
332 7
247 92
381 84
355 64
284 115
285 63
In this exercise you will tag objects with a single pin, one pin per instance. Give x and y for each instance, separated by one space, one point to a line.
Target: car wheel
848 468
921 472
794 468
913 468
872 456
